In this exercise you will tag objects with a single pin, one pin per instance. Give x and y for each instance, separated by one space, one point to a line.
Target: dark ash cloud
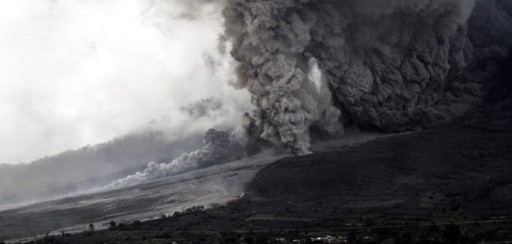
389 65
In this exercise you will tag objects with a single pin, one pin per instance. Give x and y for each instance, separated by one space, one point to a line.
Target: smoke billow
389 65
218 147
274 68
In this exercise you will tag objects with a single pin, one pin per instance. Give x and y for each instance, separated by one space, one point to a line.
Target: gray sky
80 72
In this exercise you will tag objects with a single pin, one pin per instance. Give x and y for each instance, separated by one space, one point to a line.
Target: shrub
112 224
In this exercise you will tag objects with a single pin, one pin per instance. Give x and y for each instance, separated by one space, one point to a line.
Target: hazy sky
79 72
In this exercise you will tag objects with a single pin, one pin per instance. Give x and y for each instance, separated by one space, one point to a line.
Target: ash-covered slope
387 187
389 65
465 167
499 98
216 184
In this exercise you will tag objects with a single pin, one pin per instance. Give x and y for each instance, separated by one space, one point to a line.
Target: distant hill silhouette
92 166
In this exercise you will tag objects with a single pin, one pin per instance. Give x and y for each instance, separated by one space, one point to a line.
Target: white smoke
78 73
217 149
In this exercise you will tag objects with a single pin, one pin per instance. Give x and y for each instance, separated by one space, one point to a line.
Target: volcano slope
452 181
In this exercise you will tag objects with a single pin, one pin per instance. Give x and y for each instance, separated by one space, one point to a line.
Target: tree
137 225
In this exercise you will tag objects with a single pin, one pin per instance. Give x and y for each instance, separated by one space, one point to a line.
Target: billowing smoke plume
217 149
274 67
385 62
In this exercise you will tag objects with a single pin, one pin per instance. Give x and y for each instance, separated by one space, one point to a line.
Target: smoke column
385 62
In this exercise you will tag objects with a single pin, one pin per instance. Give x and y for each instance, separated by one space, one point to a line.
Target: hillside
77 170
459 172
